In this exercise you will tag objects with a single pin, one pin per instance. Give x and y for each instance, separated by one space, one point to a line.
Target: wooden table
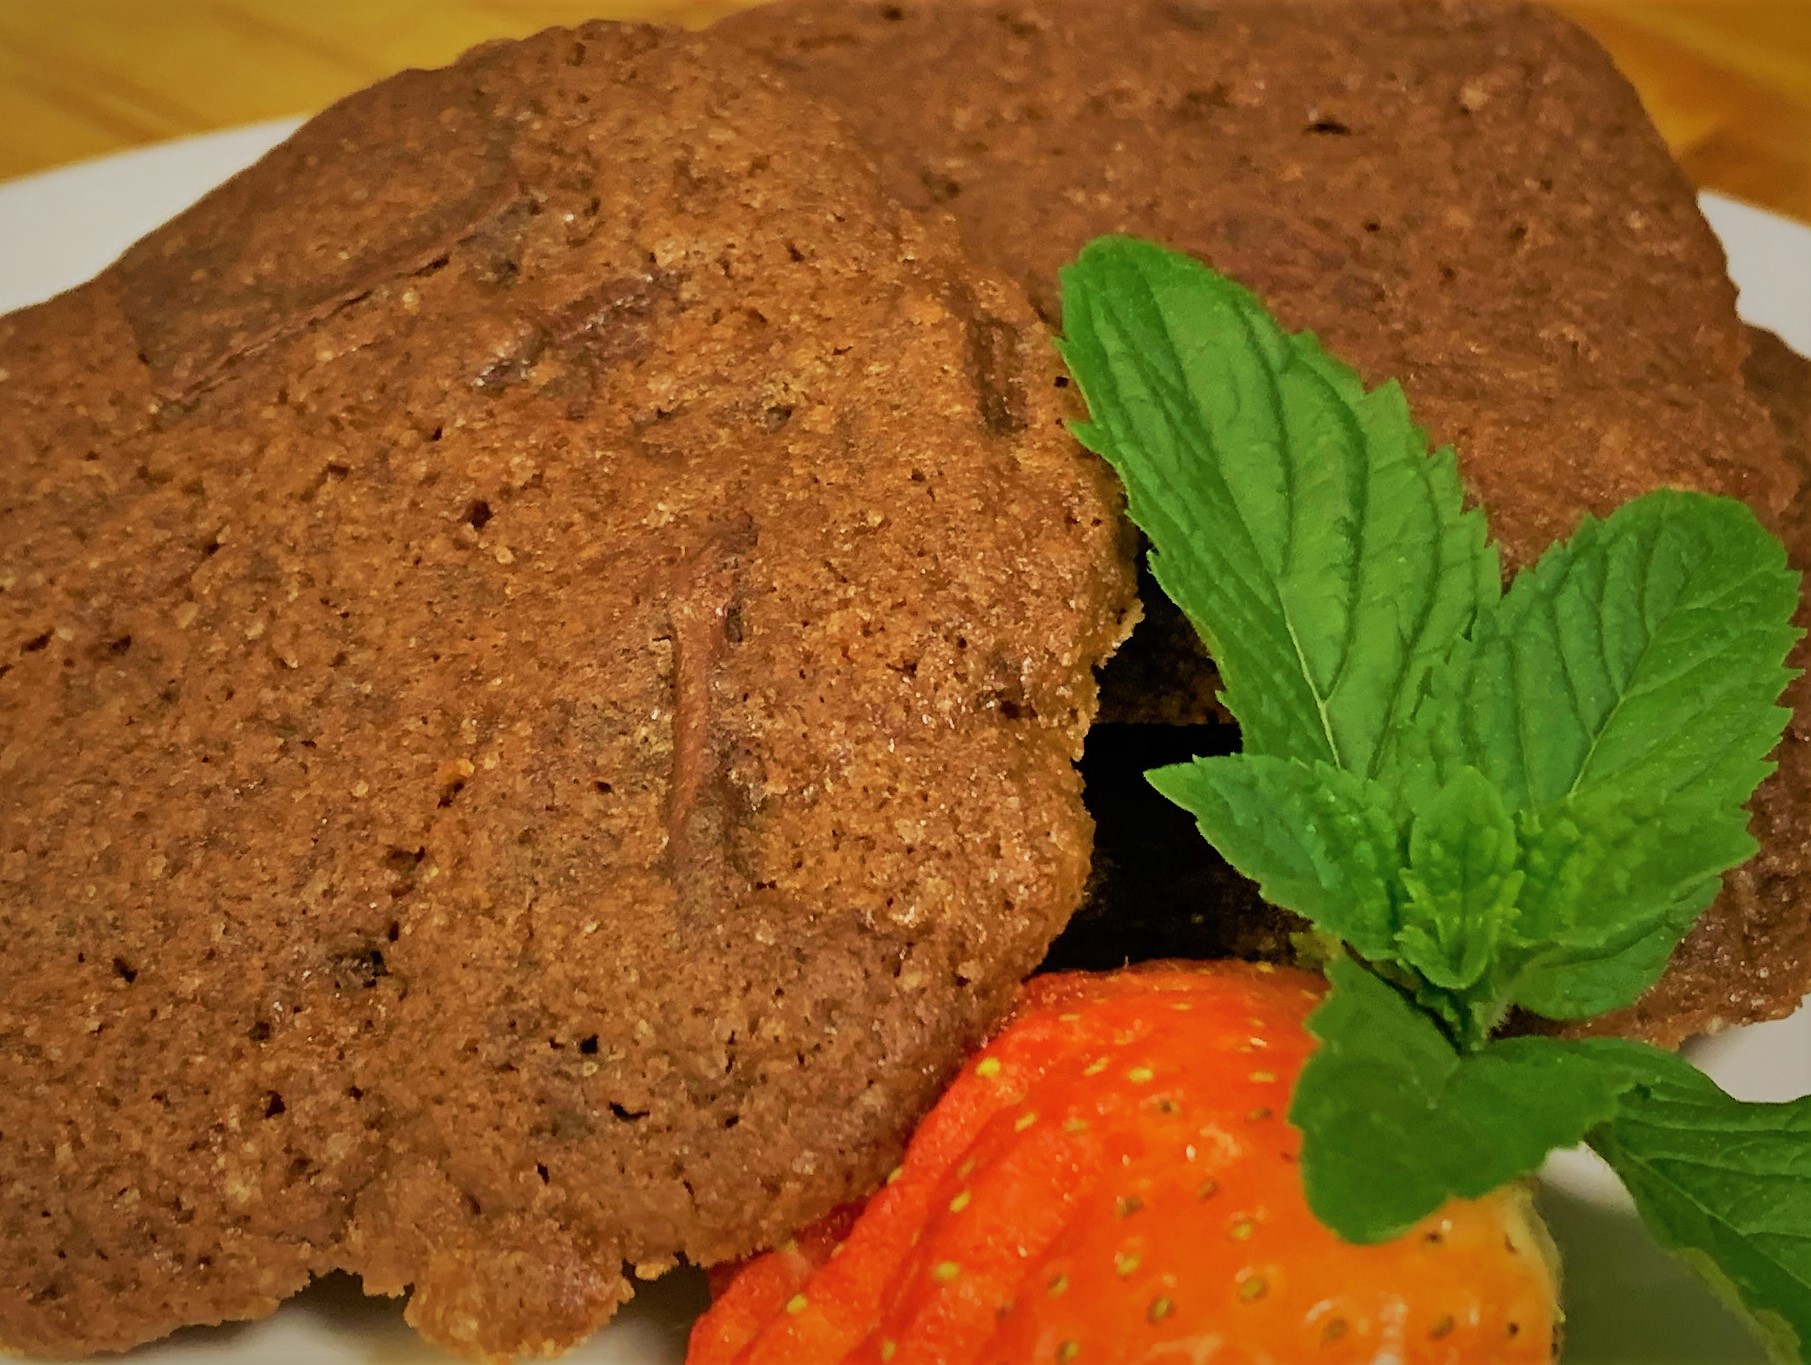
1728 81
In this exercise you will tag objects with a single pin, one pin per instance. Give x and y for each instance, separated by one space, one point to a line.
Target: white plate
1627 1303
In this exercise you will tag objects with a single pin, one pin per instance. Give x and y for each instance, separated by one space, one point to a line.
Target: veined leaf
1643 655
1614 879
1460 884
1300 523
1582 983
1317 840
1724 1184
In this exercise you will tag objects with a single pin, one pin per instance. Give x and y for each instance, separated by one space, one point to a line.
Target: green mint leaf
1615 879
1724 1184
1645 655
1607 861
1317 840
1300 523
1523 797
1395 1120
1460 884
1584 983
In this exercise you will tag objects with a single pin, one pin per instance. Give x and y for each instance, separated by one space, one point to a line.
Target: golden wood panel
1728 81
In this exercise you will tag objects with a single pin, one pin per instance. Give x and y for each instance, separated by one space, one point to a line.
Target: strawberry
1112 1179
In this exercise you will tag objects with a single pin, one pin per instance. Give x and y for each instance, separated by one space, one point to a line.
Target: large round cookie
1465 196
544 634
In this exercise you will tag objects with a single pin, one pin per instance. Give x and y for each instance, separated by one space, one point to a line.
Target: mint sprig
1492 799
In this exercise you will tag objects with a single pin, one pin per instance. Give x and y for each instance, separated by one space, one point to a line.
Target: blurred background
1727 81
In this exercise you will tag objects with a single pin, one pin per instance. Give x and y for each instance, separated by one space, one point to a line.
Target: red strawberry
1112 1180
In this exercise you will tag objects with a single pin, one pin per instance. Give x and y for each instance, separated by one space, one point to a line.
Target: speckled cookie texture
1780 379
1459 194
544 632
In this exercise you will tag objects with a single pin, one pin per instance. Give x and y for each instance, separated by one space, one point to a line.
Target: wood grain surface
1727 81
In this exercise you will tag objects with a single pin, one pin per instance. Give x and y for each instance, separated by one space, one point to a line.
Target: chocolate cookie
544 634
1780 379
1463 195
